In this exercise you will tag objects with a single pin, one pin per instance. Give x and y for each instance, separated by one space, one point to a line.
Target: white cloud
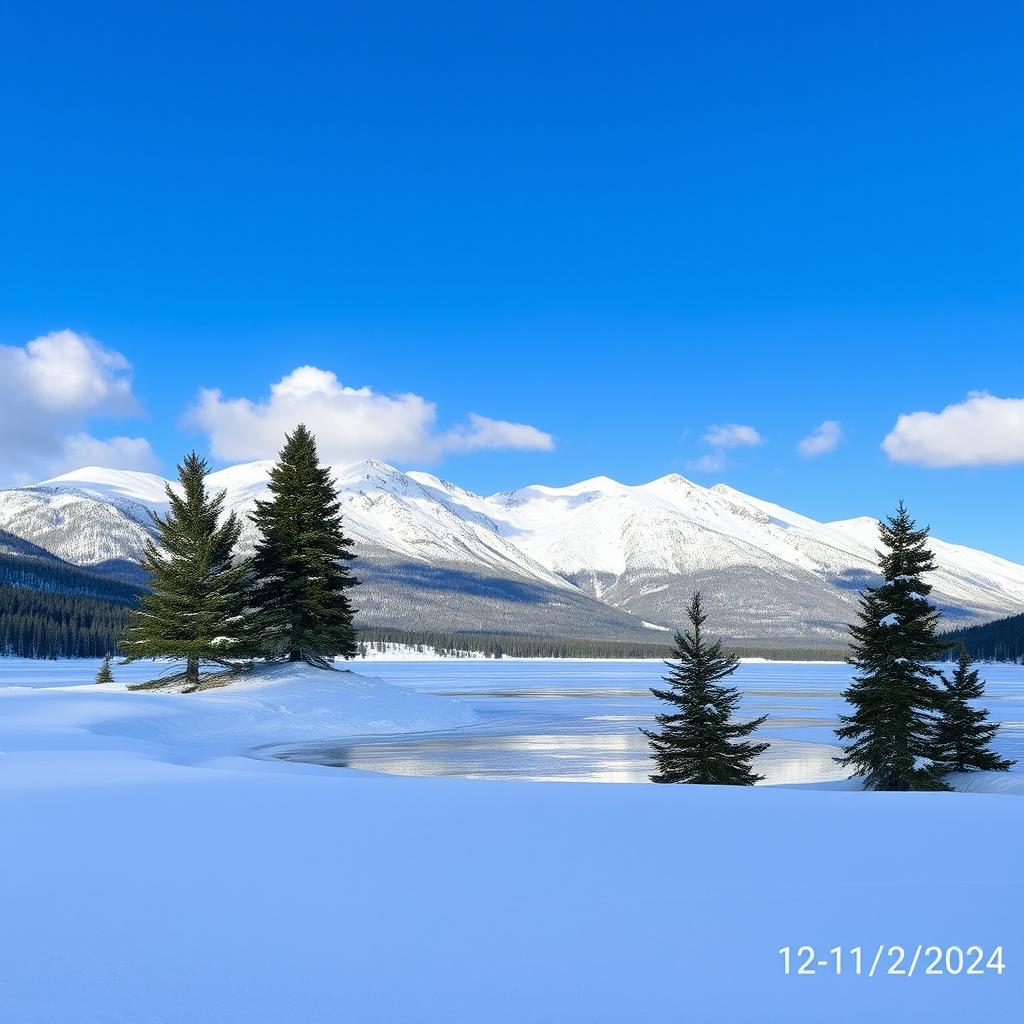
68 373
822 440
49 389
982 430
349 423
483 432
732 435
720 437
115 453
713 462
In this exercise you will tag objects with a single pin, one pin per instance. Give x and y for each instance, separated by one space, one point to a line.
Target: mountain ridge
595 558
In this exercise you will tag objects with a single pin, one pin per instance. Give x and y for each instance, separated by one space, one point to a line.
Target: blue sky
620 225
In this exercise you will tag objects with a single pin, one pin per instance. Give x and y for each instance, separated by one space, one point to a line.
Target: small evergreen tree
302 609
194 608
105 675
964 734
700 742
891 732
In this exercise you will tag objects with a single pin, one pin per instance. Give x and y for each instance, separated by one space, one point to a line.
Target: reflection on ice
580 721
548 757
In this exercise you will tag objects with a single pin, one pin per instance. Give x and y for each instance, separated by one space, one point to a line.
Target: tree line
513 645
288 602
34 572
1002 640
51 624
909 725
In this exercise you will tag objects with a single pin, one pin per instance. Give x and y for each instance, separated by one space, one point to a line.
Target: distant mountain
598 559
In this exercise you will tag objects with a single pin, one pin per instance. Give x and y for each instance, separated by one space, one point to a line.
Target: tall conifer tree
964 734
700 741
890 735
194 608
302 608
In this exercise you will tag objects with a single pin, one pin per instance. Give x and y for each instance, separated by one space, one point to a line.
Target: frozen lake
579 721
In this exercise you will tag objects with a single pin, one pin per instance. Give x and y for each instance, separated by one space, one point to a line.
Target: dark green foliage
513 645
890 735
701 742
48 624
302 609
964 734
56 576
1002 640
194 610
105 675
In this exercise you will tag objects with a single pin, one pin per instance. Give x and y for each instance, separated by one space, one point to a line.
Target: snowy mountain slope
106 534
114 485
427 561
422 564
965 576
392 512
595 558
767 570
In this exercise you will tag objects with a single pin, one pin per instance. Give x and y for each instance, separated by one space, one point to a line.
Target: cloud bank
349 423
49 389
982 430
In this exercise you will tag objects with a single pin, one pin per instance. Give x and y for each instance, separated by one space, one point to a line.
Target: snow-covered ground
151 871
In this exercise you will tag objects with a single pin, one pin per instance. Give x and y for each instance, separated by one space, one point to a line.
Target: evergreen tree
104 675
700 742
964 733
194 609
303 612
891 732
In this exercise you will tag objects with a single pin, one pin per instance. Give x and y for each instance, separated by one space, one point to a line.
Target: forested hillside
45 624
1002 640
51 609
497 645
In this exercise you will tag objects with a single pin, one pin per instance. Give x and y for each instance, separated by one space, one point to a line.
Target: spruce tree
302 608
964 734
194 608
104 675
891 731
700 741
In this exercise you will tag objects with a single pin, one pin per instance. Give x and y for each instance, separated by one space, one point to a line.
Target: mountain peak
677 480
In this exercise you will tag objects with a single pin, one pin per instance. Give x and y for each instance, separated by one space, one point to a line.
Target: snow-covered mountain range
597 558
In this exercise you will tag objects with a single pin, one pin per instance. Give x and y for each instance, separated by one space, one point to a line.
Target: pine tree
194 609
303 612
104 675
891 732
964 733
700 742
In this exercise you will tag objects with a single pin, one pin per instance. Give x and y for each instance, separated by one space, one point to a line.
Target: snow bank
278 704
291 702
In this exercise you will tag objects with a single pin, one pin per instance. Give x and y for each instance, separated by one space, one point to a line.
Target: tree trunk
192 672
